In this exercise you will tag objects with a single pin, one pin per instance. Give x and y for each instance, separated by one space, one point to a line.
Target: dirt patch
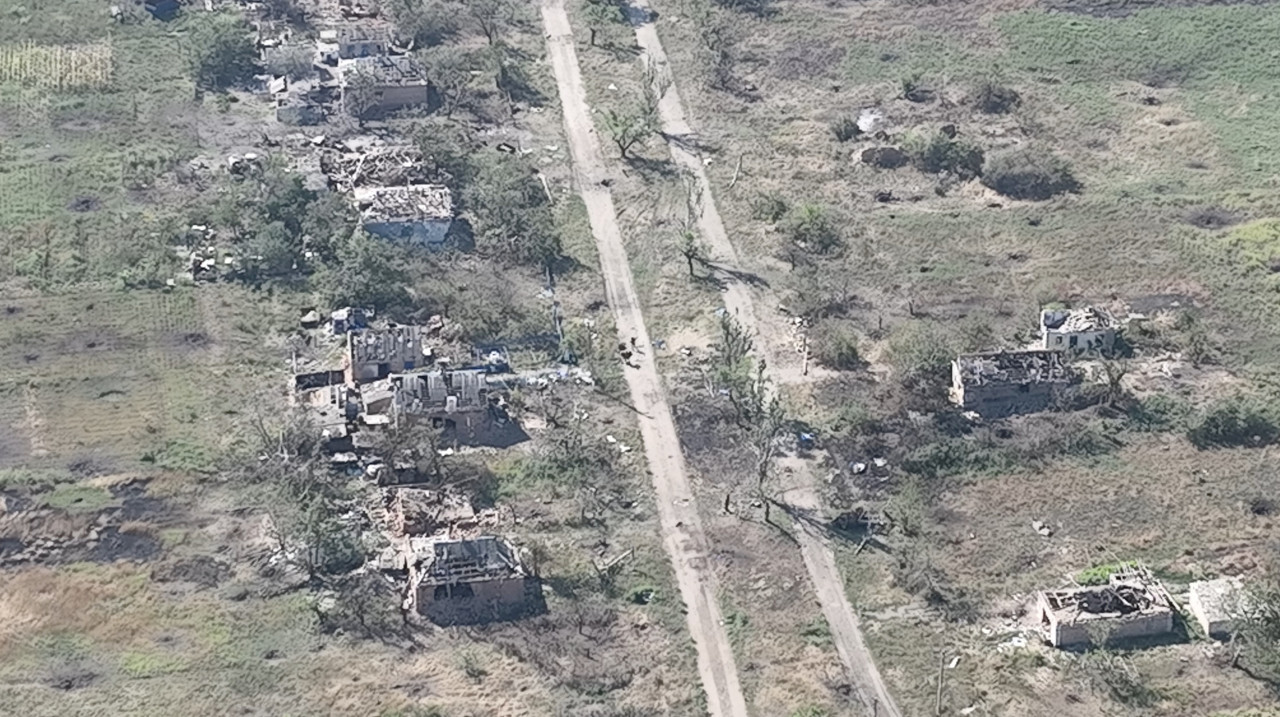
807 59
1152 303
72 676
200 570
113 545
95 339
1213 218
136 504
88 467
84 203
1125 8
190 341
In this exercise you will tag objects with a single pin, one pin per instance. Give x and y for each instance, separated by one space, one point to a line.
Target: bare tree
1114 373
628 128
492 16
360 94
693 250
601 14
449 69
765 436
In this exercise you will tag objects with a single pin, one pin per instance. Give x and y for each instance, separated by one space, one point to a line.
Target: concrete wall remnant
1215 604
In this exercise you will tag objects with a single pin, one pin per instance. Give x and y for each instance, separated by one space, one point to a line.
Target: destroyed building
466 582
377 353
419 214
350 42
441 392
1006 383
372 162
1131 605
422 511
461 403
395 82
1215 604
1078 330
349 318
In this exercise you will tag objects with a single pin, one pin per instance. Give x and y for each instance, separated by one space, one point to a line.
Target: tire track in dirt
677 511
819 557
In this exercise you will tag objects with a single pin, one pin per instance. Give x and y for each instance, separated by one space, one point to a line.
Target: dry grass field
152 583
1161 114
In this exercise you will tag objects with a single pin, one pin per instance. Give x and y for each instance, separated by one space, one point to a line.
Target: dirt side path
677 510
819 558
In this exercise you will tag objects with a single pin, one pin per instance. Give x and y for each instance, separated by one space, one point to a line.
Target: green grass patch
144 665
817 632
75 498
1100 574
1221 56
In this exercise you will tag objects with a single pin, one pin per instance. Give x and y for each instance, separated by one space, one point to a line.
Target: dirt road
802 495
677 510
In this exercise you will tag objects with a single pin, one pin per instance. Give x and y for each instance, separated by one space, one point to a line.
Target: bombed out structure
467 582
1131 605
1006 383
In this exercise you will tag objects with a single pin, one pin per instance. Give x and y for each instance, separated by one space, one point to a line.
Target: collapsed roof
1073 321
1028 366
387 70
412 203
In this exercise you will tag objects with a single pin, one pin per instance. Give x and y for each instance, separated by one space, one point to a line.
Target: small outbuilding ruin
395 82
350 42
1006 383
1131 605
1078 330
1215 605
419 214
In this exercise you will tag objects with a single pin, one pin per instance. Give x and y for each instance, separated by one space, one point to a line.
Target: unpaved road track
677 510
819 558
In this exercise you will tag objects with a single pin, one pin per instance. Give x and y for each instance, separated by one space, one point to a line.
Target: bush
426 22
812 228
1028 173
920 348
292 62
769 207
1236 421
835 345
845 129
1100 574
1157 413
220 52
942 153
759 8
994 99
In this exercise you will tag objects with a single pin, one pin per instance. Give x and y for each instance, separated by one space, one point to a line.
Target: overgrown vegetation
220 53
1028 173
1234 421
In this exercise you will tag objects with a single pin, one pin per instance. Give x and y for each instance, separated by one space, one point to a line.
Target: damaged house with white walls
1088 329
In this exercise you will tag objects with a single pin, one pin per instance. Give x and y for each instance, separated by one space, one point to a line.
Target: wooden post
942 665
